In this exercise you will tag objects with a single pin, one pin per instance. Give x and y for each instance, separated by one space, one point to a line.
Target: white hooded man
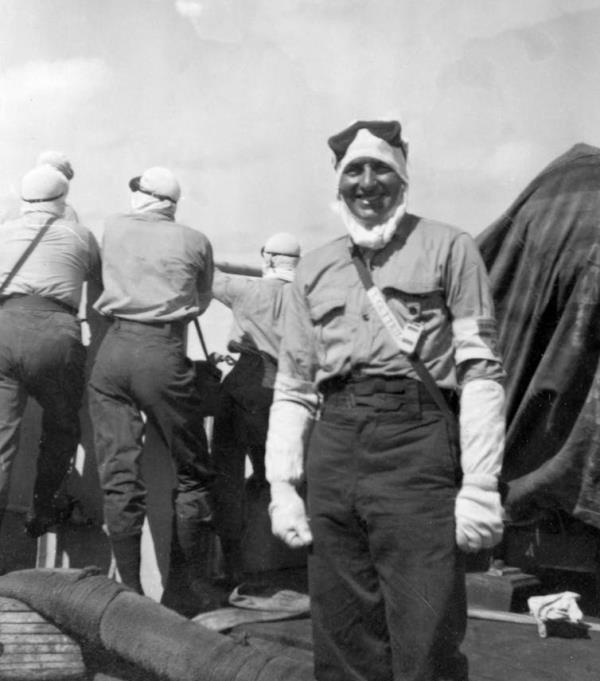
60 161
242 420
157 276
41 353
399 486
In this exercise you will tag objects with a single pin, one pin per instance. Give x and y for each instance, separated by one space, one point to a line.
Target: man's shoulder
75 226
329 252
437 236
195 235
119 220
437 227
192 236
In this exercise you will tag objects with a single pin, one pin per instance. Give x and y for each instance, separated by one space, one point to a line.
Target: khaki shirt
256 305
429 273
154 269
67 255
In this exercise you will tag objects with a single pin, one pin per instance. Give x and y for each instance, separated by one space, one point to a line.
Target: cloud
190 9
46 104
66 79
40 95
217 20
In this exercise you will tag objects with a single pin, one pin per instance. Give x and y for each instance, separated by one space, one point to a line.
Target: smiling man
387 331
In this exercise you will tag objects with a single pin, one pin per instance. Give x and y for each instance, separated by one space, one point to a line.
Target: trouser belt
174 327
20 301
373 385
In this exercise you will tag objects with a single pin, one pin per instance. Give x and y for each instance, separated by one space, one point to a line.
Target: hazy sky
238 97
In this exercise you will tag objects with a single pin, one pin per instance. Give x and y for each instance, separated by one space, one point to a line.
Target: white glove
478 510
288 515
479 518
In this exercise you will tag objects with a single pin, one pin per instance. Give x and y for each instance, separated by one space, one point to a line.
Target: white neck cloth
143 203
376 236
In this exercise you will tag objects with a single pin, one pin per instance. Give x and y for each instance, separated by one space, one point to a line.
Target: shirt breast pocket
334 329
417 303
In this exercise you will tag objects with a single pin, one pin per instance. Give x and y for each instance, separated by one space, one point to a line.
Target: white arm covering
290 423
478 511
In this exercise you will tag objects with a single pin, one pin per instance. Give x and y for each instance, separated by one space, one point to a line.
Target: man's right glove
288 515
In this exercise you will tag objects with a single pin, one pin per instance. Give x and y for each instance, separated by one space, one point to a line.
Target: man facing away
60 161
399 485
157 276
41 353
57 160
241 424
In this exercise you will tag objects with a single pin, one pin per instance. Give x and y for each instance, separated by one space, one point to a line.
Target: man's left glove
288 515
478 518
478 509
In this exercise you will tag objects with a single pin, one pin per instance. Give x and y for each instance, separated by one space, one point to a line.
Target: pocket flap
322 307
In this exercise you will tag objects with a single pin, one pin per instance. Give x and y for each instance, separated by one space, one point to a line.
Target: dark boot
48 513
197 540
127 553
175 595
232 562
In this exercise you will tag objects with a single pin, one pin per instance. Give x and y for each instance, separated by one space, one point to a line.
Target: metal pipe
232 268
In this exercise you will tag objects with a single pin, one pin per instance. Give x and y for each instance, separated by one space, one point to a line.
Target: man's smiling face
371 189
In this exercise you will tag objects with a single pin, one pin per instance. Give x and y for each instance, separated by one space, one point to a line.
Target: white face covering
376 236
279 267
143 203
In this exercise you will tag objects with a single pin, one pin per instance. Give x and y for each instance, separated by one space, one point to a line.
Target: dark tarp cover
543 256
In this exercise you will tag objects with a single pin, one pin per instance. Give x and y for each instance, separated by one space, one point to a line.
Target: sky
238 98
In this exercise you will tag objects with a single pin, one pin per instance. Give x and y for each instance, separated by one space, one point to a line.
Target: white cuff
482 432
489 483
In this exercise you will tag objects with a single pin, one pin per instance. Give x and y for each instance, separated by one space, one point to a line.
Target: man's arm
206 271
291 419
94 278
478 509
97 324
229 288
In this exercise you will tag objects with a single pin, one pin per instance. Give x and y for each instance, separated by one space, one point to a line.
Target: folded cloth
561 607
285 600
248 608
228 618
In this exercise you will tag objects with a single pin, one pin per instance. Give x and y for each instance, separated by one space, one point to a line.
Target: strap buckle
410 337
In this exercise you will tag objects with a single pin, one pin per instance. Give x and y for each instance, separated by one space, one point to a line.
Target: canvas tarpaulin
543 256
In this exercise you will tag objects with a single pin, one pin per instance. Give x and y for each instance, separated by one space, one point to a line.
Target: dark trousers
386 579
142 368
41 355
240 429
